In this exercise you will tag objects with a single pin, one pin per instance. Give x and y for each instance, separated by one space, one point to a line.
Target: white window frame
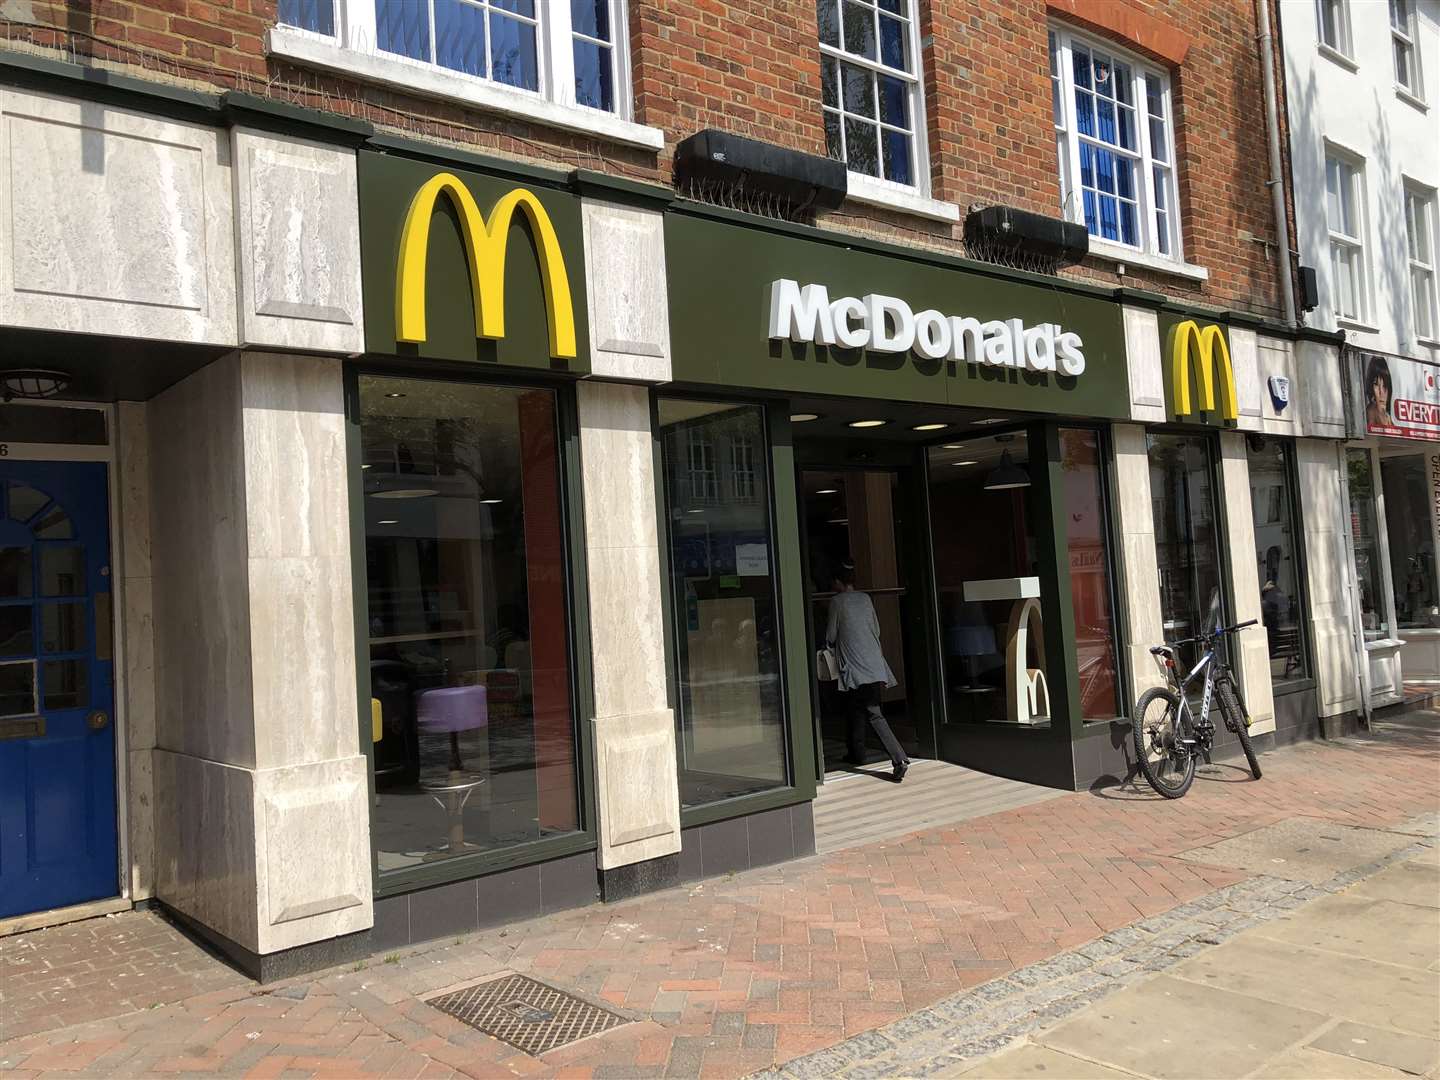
1357 243
1343 47
920 150
1408 38
352 50
1068 140
1420 218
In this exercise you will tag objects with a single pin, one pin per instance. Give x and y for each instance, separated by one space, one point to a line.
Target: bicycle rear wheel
1164 760
1237 722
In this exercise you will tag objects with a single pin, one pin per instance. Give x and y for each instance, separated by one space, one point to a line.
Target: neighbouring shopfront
1393 475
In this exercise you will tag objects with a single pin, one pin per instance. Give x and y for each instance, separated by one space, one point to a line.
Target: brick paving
733 976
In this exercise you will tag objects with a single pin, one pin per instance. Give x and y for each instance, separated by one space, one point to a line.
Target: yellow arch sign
485 246
1209 343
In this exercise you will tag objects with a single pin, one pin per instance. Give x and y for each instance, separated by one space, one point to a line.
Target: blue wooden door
57 734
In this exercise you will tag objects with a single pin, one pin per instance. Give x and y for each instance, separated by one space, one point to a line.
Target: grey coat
853 632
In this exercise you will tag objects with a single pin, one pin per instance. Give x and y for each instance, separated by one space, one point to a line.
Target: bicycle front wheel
1163 743
1236 721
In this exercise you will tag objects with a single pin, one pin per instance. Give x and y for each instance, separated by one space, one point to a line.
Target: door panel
58 842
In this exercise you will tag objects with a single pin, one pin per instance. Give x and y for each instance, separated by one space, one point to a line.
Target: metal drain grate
526 1014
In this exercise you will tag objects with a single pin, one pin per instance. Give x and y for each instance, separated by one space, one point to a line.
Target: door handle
98 720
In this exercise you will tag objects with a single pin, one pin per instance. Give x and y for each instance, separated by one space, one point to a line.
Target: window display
1277 556
1087 534
468 623
1404 478
1365 535
1187 537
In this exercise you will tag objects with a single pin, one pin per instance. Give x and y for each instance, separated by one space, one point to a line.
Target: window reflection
1187 548
731 716
1374 618
1090 593
1412 540
469 665
1277 556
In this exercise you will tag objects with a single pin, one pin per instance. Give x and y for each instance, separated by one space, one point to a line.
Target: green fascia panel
719 282
1168 321
388 183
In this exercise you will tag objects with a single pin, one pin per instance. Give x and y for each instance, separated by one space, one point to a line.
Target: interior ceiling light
389 521
395 393
490 502
953 446
867 423
837 521
404 493
33 383
928 427
1007 475
803 417
993 420
825 491
964 463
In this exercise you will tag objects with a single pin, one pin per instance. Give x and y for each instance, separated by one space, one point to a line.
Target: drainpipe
1276 182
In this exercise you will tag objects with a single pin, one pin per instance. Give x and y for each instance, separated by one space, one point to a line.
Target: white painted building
1363 94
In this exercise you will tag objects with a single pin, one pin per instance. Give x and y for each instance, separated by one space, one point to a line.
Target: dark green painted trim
449 155
409 879
239 109
619 189
1125 294
110 87
796 663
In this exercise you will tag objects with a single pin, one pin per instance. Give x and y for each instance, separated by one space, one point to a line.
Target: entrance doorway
857 516
58 840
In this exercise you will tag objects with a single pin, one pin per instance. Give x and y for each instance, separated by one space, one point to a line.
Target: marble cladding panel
1147 372
200 566
137 629
1318 387
617 452
635 774
298 244
312 856
1139 577
1277 357
626 288
626 629
1249 388
302 650
132 439
1420 658
1254 658
115 222
296 496
140 822
1327 572
205 844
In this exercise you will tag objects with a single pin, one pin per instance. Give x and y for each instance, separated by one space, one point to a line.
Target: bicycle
1166 747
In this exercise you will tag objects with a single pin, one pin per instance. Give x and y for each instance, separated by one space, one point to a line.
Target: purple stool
449 710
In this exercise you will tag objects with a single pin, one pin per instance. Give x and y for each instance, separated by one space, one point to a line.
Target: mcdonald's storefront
415 542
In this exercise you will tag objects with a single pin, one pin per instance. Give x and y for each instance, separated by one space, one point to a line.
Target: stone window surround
350 52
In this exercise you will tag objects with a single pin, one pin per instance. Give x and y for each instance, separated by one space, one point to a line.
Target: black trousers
863 704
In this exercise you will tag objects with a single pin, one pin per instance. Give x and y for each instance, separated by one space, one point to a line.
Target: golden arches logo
1209 344
485 247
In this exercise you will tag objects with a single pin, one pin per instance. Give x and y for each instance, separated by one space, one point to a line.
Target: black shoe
900 769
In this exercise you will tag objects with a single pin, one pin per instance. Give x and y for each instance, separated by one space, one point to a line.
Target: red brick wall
752 67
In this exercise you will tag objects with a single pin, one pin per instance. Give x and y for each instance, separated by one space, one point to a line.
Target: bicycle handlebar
1214 633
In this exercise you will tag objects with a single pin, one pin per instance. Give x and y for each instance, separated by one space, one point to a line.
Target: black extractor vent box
1003 229
716 161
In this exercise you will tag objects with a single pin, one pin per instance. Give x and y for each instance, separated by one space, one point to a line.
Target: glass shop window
474 733
1187 535
986 573
1091 579
1277 556
730 720
1406 479
1365 534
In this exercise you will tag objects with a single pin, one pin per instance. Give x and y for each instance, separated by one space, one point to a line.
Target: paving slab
1393 1049
1374 993
1032 1060
1307 1063
1301 848
1360 926
1152 1030
1415 882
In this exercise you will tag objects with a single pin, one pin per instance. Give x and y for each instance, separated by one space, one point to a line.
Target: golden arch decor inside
1207 344
485 248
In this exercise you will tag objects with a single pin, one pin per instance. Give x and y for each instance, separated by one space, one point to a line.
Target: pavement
1284 927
